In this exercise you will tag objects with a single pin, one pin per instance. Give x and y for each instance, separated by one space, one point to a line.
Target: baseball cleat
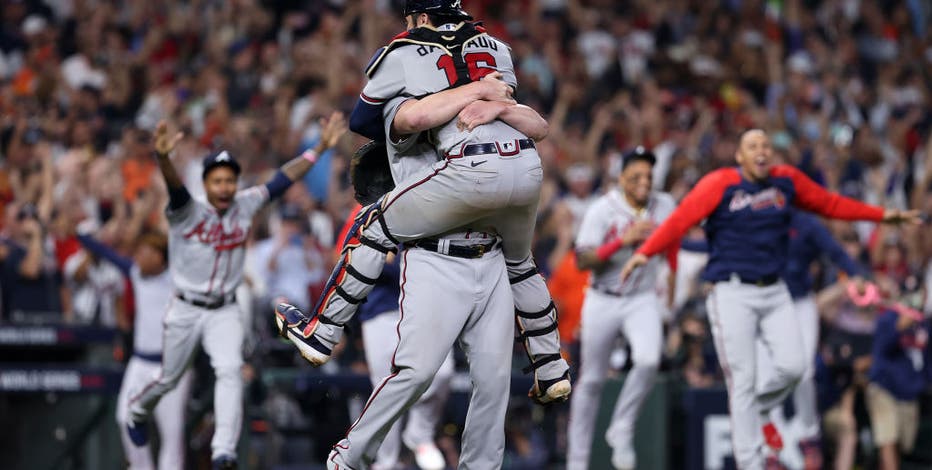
138 432
295 327
551 391
772 437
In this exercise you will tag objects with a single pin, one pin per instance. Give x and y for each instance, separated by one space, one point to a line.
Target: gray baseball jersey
609 217
418 71
206 250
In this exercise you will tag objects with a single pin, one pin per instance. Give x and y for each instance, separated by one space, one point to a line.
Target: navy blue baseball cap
639 153
220 158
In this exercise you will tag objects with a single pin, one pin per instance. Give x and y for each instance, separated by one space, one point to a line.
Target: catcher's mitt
370 173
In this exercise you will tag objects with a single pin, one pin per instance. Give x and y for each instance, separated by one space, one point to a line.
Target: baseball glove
370 173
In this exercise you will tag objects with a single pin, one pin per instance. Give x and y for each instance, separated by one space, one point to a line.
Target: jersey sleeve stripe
371 100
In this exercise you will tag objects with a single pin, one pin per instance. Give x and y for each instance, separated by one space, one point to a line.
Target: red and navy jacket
747 223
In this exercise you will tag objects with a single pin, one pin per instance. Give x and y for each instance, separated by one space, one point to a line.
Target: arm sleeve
827 244
278 185
105 252
672 252
386 83
696 205
402 143
812 197
178 198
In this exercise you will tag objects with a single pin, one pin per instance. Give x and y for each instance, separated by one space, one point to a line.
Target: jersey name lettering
482 41
216 236
771 197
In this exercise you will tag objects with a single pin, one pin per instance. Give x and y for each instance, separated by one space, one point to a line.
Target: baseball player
809 240
148 271
613 226
490 180
380 314
206 253
747 214
463 271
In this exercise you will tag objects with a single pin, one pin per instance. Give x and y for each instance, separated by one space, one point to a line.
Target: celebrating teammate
206 253
148 271
380 314
490 180
747 226
613 226
808 240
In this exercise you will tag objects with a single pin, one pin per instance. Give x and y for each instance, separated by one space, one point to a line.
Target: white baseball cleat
294 326
551 391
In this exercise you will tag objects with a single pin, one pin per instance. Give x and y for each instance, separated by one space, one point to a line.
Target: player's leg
434 306
223 343
734 330
181 336
424 416
488 341
779 332
169 416
804 397
535 312
379 341
644 332
431 202
136 374
600 325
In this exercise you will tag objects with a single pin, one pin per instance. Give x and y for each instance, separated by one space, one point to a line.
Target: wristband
310 155
606 251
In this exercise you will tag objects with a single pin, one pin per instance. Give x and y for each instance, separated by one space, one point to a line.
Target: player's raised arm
416 115
163 146
812 197
332 128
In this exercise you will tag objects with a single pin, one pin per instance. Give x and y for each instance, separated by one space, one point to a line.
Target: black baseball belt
505 149
212 304
444 247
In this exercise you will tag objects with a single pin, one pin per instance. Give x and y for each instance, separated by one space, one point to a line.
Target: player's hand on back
492 88
164 142
478 113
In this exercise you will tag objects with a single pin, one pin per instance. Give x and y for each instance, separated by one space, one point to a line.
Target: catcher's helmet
451 8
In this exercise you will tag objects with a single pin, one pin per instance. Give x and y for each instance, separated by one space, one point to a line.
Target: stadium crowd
842 87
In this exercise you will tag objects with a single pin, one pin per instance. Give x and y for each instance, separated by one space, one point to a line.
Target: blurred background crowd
842 86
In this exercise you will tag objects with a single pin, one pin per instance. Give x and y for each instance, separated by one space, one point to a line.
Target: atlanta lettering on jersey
771 197
216 236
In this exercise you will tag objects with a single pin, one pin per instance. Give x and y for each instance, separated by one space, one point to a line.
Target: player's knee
792 368
646 361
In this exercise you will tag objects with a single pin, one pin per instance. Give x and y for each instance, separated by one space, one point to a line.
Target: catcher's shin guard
536 328
364 251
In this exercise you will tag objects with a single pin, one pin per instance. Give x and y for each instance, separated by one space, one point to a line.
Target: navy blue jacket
901 358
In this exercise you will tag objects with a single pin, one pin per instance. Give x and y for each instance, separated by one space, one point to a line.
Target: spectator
900 371
29 281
